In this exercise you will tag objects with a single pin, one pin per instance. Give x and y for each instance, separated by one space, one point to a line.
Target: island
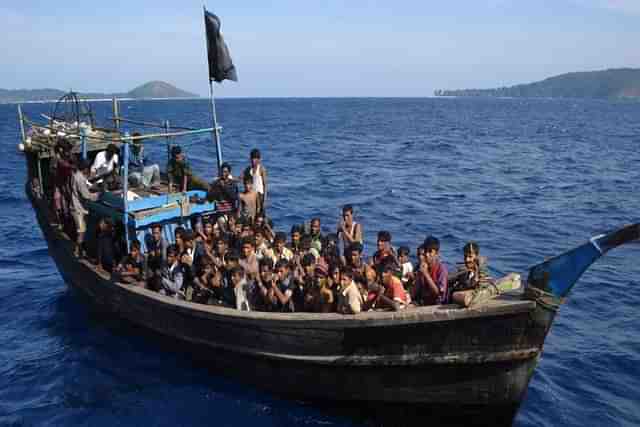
605 84
150 90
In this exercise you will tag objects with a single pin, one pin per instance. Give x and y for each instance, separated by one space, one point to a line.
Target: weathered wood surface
442 354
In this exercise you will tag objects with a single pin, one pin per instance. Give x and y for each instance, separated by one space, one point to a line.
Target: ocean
526 179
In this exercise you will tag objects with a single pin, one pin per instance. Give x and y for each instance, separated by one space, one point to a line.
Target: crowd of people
235 257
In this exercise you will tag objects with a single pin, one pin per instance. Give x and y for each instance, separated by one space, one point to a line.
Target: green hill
607 84
154 89
158 89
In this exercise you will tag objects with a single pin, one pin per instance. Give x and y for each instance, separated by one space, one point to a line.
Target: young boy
280 250
405 266
240 289
131 268
248 201
432 276
172 274
257 174
350 300
385 254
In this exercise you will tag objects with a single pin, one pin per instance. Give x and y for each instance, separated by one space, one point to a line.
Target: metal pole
21 117
216 129
125 187
116 113
83 142
166 130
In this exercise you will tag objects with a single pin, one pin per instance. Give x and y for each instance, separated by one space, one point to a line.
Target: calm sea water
525 178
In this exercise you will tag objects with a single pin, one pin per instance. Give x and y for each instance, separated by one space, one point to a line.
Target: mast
216 129
220 68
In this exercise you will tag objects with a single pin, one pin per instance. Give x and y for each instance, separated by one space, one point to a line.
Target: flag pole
216 129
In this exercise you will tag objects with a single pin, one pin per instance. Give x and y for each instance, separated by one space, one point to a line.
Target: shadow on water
129 356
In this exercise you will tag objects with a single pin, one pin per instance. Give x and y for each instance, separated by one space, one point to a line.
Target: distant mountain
154 89
159 89
606 84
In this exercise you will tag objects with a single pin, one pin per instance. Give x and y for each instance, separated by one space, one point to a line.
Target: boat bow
550 281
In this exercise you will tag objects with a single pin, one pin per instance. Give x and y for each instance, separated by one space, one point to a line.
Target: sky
286 48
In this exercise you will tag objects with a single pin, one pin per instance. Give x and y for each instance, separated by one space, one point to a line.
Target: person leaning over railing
181 177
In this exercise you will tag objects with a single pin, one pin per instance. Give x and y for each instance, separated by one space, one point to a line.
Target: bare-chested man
349 231
248 200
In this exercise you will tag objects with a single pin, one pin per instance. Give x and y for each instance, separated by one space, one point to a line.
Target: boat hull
442 356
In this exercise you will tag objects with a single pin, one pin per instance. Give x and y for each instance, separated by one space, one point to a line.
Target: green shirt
178 170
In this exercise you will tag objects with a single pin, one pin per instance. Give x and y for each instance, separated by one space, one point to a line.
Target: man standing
224 191
349 231
80 194
258 174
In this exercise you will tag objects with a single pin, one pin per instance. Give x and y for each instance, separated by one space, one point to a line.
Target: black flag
220 65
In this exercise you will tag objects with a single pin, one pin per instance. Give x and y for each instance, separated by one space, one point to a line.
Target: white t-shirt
407 268
101 166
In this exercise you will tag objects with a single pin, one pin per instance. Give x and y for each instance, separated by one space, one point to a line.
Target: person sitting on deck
105 166
350 300
267 282
406 267
241 289
306 247
224 191
220 252
432 276
156 248
323 300
192 255
263 249
181 177
80 195
208 286
172 276
354 262
349 231
267 225
280 250
178 235
296 235
249 261
257 173
385 254
315 233
303 278
333 282
106 250
141 170
330 253
205 233
131 267
283 292
248 200
472 274
395 296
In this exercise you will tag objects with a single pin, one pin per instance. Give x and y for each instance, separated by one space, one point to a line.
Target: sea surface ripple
527 179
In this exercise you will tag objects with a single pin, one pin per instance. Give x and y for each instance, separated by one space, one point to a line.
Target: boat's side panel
487 360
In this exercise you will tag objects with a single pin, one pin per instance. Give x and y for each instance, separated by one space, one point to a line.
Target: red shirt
395 291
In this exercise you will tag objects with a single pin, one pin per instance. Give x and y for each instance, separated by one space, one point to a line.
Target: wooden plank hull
481 357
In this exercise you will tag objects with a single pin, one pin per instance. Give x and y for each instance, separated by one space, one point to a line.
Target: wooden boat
478 357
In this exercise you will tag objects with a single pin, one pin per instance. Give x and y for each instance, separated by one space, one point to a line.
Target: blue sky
314 48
